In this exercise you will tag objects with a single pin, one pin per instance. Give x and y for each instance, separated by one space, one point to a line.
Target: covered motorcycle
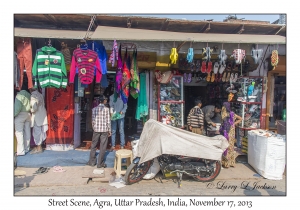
178 151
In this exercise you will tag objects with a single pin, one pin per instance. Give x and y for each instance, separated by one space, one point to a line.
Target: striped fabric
49 69
85 61
195 117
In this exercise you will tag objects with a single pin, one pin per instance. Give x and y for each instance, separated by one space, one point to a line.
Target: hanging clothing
125 79
16 70
60 107
86 61
114 56
49 69
99 48
119 75
104 82
134 73
142 107
24 52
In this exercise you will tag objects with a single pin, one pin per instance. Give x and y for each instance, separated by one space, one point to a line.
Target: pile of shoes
171 114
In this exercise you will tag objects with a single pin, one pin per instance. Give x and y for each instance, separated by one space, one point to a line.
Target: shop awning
49 33
111 33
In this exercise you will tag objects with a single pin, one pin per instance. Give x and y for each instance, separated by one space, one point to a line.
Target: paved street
239 181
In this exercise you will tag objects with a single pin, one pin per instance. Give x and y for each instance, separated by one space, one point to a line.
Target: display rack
251 106
171 102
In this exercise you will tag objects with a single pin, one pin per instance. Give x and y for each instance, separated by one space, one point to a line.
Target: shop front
187 79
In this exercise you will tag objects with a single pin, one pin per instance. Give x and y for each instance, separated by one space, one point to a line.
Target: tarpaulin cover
158 138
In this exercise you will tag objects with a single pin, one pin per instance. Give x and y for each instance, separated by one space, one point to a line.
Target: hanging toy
173 55
251 88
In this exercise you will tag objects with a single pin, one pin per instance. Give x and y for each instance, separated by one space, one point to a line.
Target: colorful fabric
135 81
60 113
228 131
101 119
22 102
125 79
86 61
49 69
119 74
114 54
99 48
142 107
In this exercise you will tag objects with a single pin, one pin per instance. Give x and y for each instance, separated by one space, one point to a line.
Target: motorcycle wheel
211 177
136 172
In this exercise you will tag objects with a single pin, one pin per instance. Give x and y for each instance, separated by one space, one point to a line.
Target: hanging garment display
114 54
86 60
125 78
135 81
99 48
119 75
16 70
60 113
24 52
142 107
49 69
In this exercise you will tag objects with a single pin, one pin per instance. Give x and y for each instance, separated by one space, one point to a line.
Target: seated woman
229 120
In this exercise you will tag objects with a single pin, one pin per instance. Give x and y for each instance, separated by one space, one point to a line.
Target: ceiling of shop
82 21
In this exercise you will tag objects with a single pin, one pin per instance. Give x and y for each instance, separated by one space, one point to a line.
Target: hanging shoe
216 67
208 77
224 77
212 79
173 55
209 67
189 79
190 55
203 67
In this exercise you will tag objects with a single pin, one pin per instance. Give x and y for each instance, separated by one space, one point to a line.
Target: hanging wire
174 44
191 45
222 46
49 43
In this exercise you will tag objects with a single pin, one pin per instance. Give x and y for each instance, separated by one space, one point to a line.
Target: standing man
195 119
210 112
22 118
102 130
39 120
117 109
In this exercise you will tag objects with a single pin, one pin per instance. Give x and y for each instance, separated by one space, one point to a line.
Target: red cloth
60 111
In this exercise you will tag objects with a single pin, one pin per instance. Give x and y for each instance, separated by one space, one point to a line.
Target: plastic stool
122 154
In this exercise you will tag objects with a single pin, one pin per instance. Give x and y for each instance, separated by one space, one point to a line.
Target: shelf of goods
171 102
249 99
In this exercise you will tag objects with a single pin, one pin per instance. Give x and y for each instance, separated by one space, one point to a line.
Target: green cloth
134 84
142 106
22 102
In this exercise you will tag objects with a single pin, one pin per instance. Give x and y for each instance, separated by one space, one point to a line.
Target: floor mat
61 158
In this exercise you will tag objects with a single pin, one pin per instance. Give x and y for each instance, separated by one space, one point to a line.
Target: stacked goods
245 144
